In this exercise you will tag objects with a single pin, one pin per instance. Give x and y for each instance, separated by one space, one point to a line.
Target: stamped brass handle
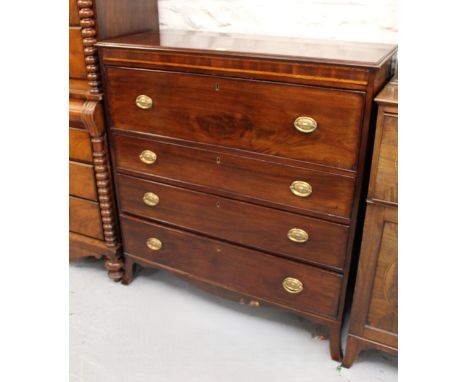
292 285
144 102
148 157
300 188
305 125
298 235
154 244
150 199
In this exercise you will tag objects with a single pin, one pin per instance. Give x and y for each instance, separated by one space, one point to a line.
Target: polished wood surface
374 314
255 116
360 54
80 145
81 180
244 178
255 226
225 153
85 218
241 269
90 20
77 66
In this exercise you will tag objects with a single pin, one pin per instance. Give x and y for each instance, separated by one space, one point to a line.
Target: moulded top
360 54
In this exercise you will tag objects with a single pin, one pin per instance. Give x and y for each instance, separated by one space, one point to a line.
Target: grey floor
161 329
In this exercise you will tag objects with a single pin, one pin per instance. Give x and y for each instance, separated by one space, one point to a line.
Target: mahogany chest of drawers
92 219
374 314
240 161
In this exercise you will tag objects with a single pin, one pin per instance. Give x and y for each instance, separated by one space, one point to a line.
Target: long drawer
259 275
85 217
302 190
82 181
299 237
299 122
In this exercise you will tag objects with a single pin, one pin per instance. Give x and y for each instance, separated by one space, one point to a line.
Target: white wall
352 20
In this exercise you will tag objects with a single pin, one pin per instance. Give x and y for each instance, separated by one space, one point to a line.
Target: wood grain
80 145
77 66
239 268
81 181
255 180
259 227
85 218
250 115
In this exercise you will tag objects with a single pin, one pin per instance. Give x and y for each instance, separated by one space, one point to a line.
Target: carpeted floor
160 329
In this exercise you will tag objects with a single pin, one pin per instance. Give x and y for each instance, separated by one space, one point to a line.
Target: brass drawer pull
305 125
151 199
154 244
144 102
292 285
148 157
298 235
300 188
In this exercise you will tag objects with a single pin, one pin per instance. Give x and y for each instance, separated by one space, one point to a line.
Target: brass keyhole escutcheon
298 235
300 188
305 125
218 160
150 199
292 285
144 102
148 157
154 244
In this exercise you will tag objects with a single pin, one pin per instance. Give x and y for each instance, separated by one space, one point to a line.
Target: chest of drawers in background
239 161
374 315
92 218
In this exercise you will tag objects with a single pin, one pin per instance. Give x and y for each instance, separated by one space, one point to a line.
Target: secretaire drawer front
311 192
299 122
290 235
302 287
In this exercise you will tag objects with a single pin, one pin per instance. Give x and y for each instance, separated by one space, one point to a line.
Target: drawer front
80 145
318 242
268 183
85 217
243 270
251 115
81 180
384 184
77 66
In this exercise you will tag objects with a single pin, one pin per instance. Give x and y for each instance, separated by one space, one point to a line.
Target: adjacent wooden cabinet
240 161
93 224
374 315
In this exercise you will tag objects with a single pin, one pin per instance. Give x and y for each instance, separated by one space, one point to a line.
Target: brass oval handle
148 157
144 102
293 285
300 188
154 244
150 199
305 125
298 235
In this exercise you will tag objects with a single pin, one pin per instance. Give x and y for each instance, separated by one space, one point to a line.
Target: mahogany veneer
374 314
93 223
241 161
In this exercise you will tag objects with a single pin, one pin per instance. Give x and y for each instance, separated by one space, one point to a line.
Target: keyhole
218 160
218 204
217 87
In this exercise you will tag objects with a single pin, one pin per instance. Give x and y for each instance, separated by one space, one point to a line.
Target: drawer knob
144 102
151 199
292 285
300 188
154 244
298 235
148 157
305 125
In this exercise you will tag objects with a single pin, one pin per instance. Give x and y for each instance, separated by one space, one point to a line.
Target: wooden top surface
279 48
389 94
